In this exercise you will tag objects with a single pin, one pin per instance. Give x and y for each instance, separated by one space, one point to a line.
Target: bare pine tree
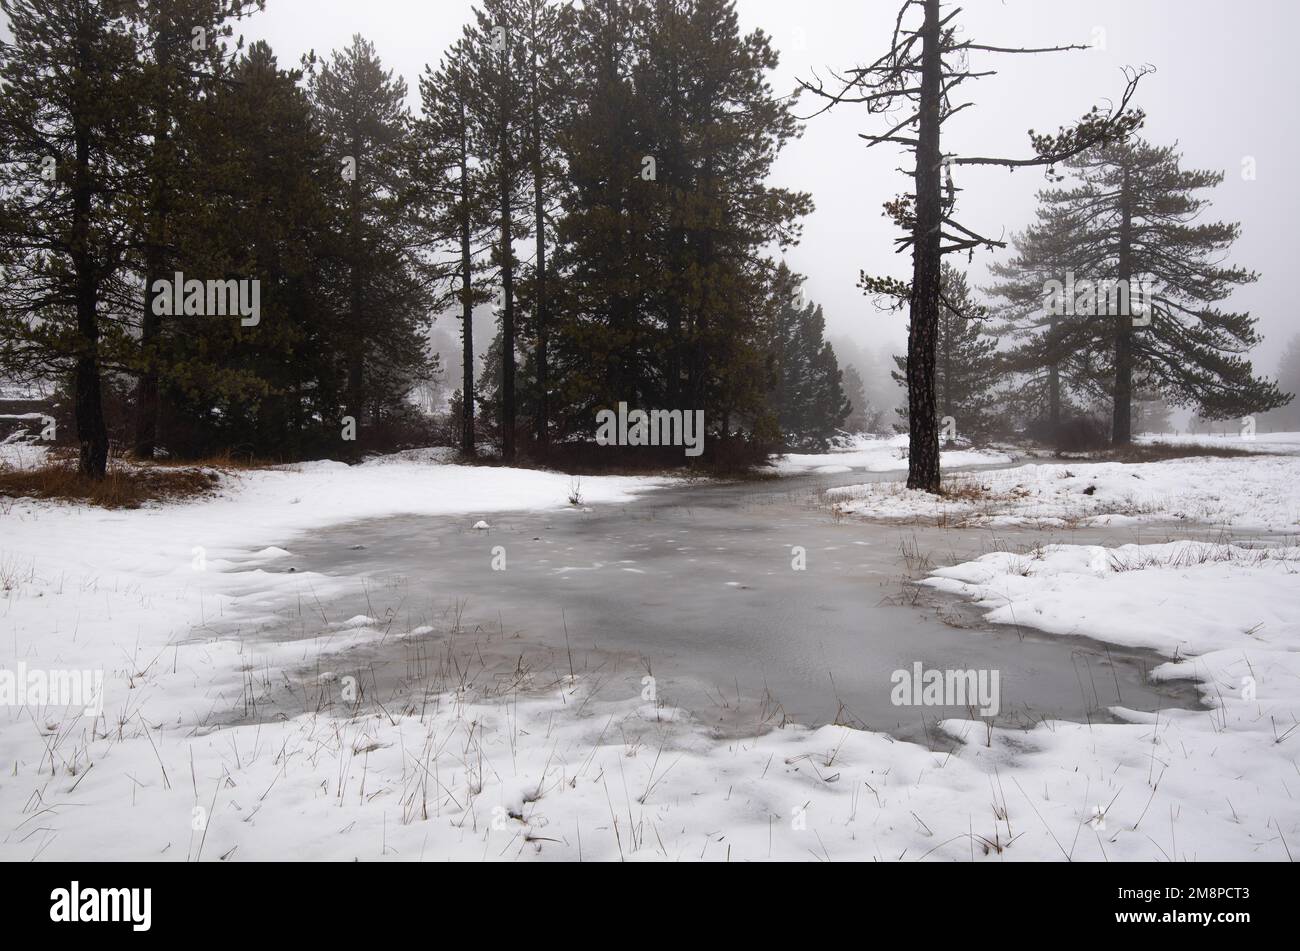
915 84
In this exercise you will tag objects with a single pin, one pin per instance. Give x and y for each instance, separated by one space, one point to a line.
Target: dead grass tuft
229 459
125 487
1201 554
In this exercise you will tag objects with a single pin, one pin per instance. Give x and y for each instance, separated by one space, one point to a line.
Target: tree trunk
356 353
673 175
92 433
146 388
146 391
1122 421
1054 378
539 225
504 166
943 385
466 296
923 436
508 410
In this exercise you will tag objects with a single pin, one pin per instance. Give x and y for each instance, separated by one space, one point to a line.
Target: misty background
1216 93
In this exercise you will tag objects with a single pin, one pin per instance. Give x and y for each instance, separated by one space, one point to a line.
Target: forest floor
498 756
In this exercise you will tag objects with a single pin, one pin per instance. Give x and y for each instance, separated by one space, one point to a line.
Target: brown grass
963 489
1162 451
125 487
226 460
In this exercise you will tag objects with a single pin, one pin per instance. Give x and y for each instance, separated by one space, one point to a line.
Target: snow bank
1196 784
1250 492
1178 598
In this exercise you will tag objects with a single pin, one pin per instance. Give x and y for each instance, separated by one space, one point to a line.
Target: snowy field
1191 785
1180 785
132 594
1242 492
1259 442
538 768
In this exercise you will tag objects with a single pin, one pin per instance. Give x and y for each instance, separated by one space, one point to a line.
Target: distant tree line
595 174
1286 418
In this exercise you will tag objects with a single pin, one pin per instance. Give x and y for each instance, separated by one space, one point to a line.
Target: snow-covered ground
538 767
877 454
1244 492
132 594
1178 785
1254 442
21 452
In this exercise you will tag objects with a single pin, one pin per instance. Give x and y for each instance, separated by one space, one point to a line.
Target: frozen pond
694 584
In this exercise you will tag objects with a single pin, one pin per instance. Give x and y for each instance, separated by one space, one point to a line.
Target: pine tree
785 363
1132 220
266 217
492 383
1050 353
862 418
500 64
546 30
362 111
806 393
829 407
183 58
1287 418
919 74
669 144
606 244
454 199
70 127
714 128
966 365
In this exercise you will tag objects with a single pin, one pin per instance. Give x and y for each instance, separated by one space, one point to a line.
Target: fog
1216 93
